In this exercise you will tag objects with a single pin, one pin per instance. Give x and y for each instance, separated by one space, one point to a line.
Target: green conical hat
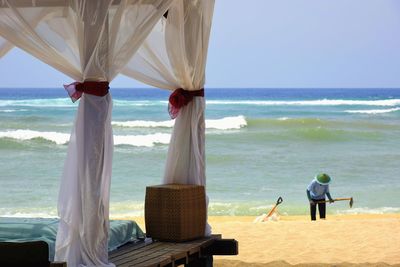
323 178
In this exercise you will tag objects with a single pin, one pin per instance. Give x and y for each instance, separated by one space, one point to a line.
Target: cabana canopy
92 42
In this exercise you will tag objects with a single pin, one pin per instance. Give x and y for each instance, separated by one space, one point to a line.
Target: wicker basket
175 212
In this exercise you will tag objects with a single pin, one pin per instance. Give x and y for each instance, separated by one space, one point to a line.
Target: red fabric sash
180 98
76 89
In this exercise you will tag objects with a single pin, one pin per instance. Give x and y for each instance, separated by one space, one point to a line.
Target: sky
275 44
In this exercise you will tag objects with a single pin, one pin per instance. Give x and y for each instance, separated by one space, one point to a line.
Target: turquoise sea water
260 144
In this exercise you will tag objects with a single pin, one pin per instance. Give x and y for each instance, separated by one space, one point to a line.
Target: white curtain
88 41
174 56
4 46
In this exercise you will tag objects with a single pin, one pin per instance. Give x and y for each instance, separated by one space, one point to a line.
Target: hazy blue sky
276 43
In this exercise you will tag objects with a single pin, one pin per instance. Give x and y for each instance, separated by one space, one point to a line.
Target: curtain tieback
180 98
76 89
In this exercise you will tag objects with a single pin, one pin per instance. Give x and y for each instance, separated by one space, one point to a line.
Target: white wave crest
321 102
144 124
365 210
373 111
148 140
227 123
58 138
63 138
53 102
12 110
139 103
283 119
52 215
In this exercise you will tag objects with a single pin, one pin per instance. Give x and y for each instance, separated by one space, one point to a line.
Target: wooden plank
155 252
153 263
151 259
177 255
187 249
126 247
135 251
139 255
181 252
162 253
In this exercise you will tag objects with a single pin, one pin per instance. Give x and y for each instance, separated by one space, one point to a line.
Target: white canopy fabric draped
4 46
174 56
88 41
94 41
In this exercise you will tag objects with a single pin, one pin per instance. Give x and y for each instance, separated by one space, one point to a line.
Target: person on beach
316 191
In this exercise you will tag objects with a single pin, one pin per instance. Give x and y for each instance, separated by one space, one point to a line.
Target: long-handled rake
339 199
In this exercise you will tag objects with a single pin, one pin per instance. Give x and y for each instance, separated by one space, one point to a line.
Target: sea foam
366 210
148 140
373 111
42 103
144 124
226 123
12 110
28 214
139 103
58 138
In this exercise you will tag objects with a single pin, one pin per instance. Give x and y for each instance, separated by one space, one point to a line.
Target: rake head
351 202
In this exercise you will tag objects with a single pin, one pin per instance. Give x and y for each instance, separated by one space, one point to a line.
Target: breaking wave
12 110
144 124
148 140
366 210
373 111
227 123
58 138
139 103
43 103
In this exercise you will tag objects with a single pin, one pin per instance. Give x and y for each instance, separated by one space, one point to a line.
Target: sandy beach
341 240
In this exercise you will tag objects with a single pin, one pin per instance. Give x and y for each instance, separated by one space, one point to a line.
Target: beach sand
341 240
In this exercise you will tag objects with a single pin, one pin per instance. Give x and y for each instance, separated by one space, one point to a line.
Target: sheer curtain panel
4 46
88 41
174 56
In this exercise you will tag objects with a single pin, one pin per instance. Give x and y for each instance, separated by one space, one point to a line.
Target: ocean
260 144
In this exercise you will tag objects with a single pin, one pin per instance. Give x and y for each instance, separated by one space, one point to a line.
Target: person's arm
309 197
329 197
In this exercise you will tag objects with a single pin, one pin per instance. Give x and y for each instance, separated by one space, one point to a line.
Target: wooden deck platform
192 253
